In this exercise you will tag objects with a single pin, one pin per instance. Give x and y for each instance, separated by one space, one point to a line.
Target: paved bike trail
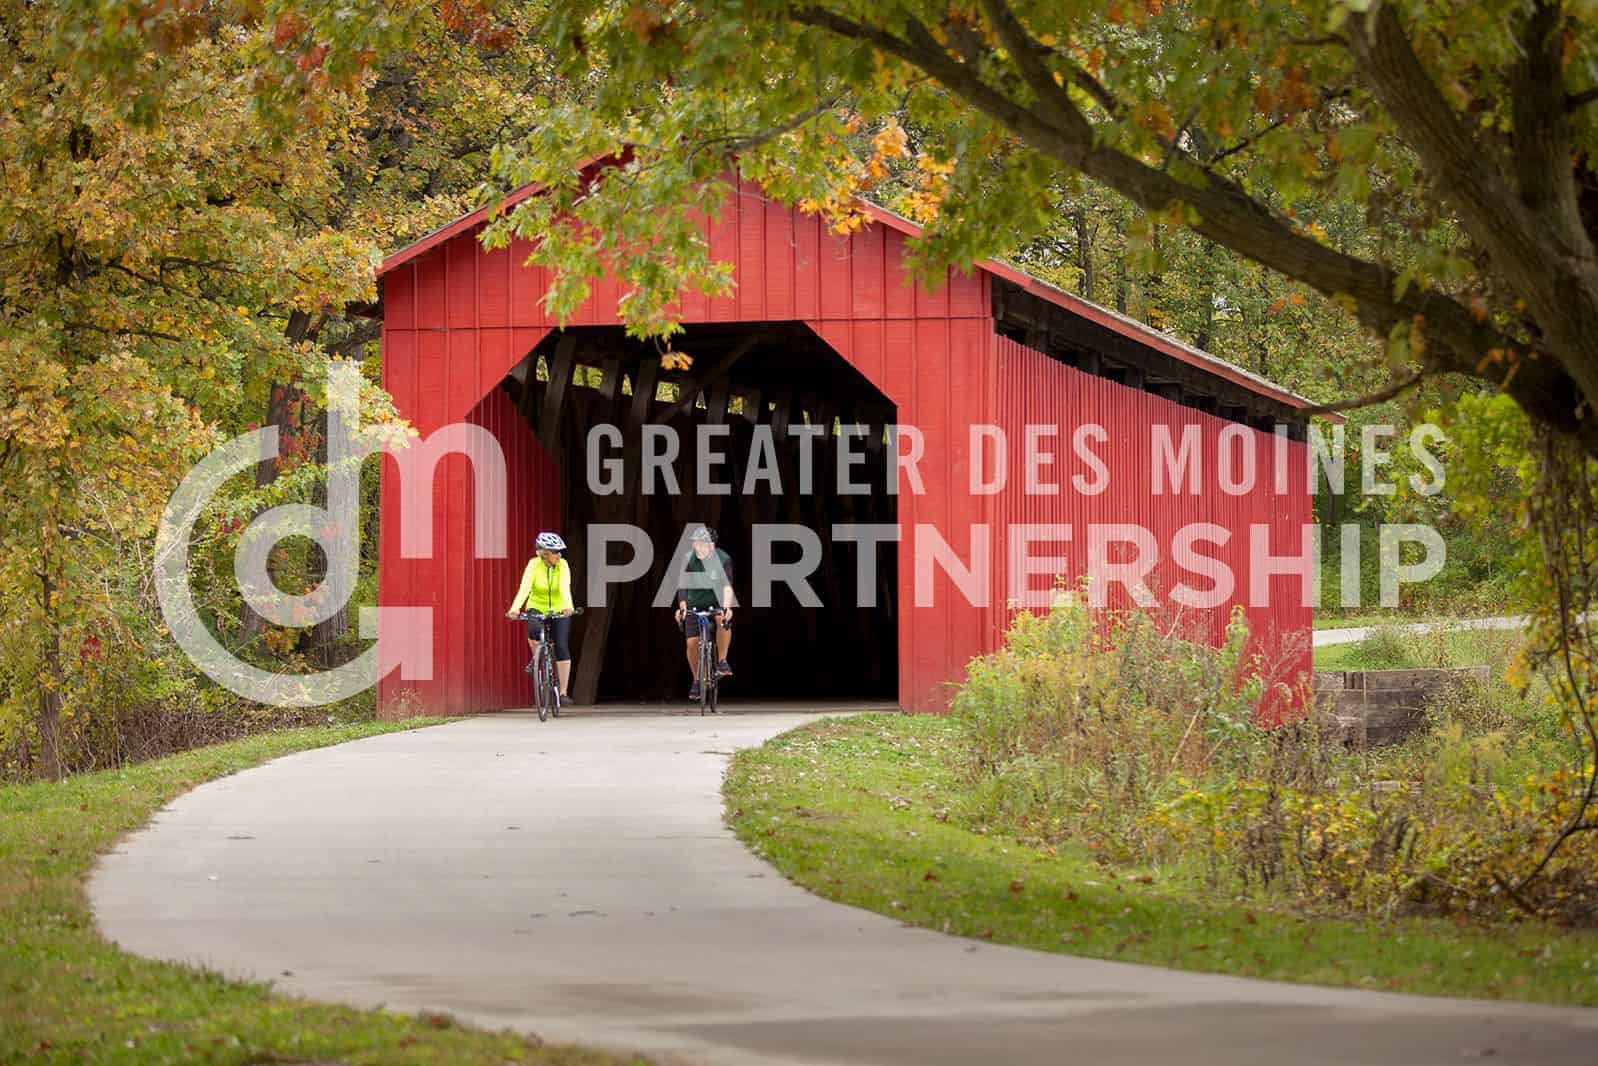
574 879
1354 634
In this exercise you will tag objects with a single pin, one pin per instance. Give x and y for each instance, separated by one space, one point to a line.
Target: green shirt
701 590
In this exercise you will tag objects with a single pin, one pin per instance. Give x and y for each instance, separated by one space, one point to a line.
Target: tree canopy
193 202
1456 138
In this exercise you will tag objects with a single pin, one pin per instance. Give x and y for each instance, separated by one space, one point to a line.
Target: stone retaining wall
1371 708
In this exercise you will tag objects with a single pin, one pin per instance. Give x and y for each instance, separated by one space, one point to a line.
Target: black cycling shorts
690 624
560 629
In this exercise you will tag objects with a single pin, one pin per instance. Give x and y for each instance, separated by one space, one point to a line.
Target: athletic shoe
693 691
723 670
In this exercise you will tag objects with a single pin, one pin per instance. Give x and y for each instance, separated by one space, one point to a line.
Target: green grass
1373 617
1479 577
68 996
1389 649
1338 621
857 810
1377 616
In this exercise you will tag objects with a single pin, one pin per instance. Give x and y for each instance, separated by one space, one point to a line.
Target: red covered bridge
823 331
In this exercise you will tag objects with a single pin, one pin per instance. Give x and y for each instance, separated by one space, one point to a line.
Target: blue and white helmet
703 533
548 541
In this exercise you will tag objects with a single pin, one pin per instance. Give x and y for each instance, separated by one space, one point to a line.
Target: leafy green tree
148 262
193 201
460 80
192 205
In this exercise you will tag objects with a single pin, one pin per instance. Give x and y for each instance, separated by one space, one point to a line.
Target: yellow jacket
545 589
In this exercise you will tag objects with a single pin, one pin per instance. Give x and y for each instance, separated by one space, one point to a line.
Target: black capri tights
560 629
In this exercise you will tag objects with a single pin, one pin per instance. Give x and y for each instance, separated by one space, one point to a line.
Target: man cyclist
707 584
547 589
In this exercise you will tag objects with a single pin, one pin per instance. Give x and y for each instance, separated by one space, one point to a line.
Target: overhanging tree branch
1465 168
1397 387
1535 241
1228 215
1576 101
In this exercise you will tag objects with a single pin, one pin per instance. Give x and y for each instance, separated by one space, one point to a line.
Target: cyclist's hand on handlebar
726 614
682 609
512 614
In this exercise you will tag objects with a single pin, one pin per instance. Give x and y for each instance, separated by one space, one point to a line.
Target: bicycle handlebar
525 616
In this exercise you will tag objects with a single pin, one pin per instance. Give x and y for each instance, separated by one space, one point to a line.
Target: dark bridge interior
779 375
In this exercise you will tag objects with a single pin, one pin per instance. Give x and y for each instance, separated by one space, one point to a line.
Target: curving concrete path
574 879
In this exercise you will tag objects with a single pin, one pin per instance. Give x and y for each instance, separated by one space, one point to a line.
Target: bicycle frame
546 678
709 682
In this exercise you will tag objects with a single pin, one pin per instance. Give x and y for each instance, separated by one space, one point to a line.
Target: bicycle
709 680
546 680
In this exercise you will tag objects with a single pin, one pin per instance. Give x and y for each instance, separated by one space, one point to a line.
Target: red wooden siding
787 267
477 653
1034 389
457 318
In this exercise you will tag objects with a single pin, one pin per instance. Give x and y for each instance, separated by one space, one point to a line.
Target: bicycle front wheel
707 672
543 684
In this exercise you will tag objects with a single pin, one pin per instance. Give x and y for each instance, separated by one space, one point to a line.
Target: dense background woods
192 203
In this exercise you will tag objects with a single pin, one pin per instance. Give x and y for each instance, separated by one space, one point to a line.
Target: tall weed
1126 736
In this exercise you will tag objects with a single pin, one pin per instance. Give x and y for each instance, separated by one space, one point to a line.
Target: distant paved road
1353 635
574 879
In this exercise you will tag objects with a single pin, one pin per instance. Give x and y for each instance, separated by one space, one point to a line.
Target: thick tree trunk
1084 253
1205 335
49 712
325 635
49 735
281 406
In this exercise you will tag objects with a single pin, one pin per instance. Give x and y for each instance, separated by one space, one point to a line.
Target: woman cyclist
547 589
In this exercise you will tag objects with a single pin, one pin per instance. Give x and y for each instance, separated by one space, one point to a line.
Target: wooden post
560 380
599 617
644 390
716 401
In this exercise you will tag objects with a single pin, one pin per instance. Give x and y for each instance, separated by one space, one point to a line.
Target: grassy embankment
873 811
68 996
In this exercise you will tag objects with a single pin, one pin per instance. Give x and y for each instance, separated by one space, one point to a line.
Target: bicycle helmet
550 542
704 533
